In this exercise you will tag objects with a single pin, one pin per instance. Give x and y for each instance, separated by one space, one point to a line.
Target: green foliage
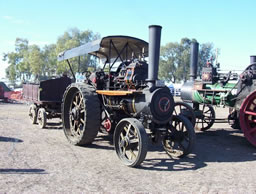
28 60
175 59
74 38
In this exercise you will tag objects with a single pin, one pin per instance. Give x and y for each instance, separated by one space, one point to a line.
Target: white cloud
15 20
6 17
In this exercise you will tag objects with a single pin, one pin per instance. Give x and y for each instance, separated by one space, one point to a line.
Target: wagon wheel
247 118
180 138
32 113
182 108
80 114
206 118
42 118
131 141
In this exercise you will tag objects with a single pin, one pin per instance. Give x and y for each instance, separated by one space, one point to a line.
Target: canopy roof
109 47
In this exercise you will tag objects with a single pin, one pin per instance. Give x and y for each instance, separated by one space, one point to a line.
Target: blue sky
229 25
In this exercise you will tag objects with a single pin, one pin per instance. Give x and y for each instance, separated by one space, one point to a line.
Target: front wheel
205 117
42 117
32 113
180 138
131 142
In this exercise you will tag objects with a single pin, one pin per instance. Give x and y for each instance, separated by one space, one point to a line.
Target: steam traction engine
129 102
217 89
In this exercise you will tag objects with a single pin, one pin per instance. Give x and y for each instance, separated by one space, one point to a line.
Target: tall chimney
193 61
252 59
154 53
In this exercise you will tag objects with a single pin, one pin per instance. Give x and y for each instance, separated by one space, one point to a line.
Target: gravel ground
35 160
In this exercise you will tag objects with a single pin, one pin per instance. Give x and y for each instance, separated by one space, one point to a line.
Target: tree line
32 61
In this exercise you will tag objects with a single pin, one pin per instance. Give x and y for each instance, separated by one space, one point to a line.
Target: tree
17 68
34 59
175 59
50 59
74 38
41 62
206 52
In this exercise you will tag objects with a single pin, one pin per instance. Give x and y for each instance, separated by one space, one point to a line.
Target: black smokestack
154 52
193 61
252 59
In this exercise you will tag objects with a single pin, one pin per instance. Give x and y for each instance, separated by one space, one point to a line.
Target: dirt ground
35 160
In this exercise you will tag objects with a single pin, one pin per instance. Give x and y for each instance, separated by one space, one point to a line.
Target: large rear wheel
247 117
80 114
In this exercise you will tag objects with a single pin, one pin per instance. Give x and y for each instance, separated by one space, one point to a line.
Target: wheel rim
186 110
206 118
41 117
76 114
247 118
179 140
30 114
129 143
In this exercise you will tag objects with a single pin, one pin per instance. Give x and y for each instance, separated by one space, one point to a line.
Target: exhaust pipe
253 59
193 61
154 53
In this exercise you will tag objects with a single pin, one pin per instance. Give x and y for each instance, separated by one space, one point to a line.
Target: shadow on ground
216 145
54 125
22 171
10 139
220 145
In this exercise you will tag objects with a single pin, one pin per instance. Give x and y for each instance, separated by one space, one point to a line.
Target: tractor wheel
32 113
184 109
180 138
206 118
81 113
42 117
247 117
131 141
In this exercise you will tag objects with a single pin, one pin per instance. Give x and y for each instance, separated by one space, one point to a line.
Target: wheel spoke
76 99
82 121
250 113
133 155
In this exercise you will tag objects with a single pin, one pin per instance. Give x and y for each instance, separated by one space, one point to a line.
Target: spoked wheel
80 114
32 113
247 118
180 138
205 117
42 118
184 109
131 142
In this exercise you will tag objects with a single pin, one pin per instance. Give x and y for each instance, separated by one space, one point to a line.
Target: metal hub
75 114
125 142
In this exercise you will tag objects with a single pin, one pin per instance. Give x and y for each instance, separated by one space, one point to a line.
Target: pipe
252 59
193 60
154 53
